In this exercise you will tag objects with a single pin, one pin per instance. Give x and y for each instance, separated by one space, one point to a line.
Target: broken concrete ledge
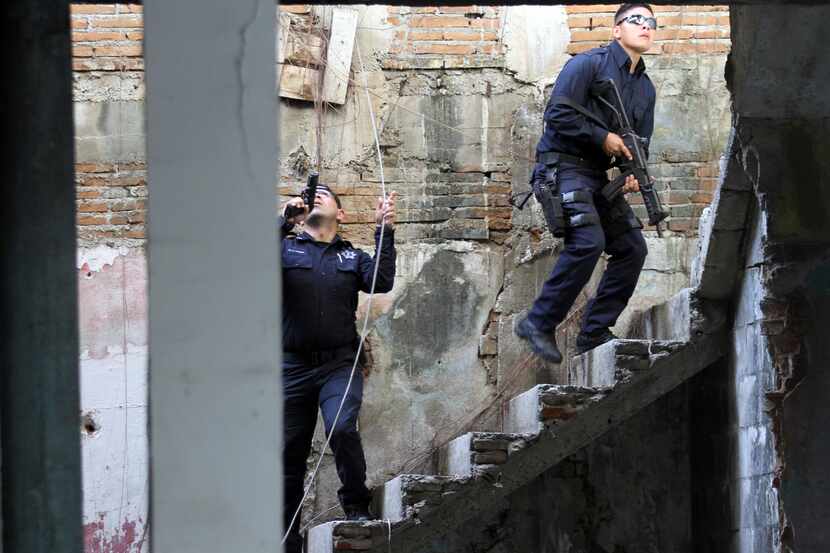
419 509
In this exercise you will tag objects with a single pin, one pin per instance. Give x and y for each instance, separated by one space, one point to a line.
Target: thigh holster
571 209
546 190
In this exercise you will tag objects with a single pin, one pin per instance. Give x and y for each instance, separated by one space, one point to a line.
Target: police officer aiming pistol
586 132
321 277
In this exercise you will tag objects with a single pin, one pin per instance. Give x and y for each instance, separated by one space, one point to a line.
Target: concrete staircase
542 427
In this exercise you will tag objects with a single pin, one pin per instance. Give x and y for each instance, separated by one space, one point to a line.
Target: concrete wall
112 291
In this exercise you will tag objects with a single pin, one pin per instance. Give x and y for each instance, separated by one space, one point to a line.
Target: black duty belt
317 358
558 157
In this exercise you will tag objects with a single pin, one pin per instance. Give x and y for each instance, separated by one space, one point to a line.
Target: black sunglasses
637 19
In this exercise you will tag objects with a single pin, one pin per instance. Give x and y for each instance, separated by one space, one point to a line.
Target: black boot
543 344
358 513
586 342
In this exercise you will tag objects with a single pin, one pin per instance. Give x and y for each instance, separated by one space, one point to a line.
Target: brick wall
681 29
112 202
434 37
464 203
107 37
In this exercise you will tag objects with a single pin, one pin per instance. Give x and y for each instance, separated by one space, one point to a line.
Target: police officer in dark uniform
321 277
572 157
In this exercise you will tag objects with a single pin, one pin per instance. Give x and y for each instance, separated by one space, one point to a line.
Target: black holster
546 190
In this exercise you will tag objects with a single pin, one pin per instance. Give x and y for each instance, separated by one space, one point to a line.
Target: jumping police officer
321 277
572 157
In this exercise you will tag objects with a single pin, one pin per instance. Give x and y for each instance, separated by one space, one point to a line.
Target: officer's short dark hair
623 9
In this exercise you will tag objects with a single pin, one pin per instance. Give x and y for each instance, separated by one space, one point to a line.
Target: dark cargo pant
304 389
618 235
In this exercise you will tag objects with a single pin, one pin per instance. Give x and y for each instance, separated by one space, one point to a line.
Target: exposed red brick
91 8
701 197
708 170
117 22
488 48
295 8
460 9
94 167
578 47
97 36
441 48
426 35
673 34
433 21
463 35
117 51
683 224
602 34
91 220
484 23
93 207
710 33
81 51
594 8
696 47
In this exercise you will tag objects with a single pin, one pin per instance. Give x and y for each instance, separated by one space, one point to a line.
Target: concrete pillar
39 399
213 276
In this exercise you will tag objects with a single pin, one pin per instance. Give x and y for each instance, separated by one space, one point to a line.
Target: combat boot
542 343
587 342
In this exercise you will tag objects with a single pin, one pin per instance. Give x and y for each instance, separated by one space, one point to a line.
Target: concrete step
546 404
683 317
406 494
542 427
342 536
475 453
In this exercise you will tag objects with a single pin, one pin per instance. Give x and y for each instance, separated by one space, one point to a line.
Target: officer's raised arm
384 216
286 223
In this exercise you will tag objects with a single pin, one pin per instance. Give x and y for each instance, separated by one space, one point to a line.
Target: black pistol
308 194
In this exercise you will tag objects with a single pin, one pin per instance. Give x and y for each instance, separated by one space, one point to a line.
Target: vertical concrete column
39 398
213 276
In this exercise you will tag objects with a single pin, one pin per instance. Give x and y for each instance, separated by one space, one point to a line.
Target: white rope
368 306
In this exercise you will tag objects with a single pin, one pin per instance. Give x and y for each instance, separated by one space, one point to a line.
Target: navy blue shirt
568 131
320 282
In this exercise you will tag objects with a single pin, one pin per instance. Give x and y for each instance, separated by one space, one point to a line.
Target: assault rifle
308 194
637 166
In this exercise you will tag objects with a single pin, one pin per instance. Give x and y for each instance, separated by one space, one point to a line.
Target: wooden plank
339 58
296 45
303 49
300 83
